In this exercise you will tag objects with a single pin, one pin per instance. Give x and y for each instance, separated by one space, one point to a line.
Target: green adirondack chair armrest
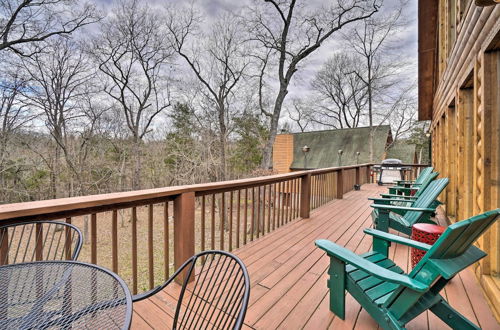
349 257
398 196
404 181
402 208
408 183
398 188
386 201
397 239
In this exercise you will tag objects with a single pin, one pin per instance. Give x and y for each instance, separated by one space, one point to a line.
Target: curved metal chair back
215 296
39 240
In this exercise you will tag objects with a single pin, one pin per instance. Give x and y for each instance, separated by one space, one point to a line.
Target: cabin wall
283 153
466 122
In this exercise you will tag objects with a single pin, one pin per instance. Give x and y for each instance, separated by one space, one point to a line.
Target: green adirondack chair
394 298
407 200
405 192
406 187
387 214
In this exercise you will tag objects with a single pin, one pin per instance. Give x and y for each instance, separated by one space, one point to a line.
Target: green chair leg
336 284
451 317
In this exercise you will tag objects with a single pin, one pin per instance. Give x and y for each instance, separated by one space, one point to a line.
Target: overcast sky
407 43
211 8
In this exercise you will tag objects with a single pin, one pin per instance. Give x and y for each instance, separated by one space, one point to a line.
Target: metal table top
62 294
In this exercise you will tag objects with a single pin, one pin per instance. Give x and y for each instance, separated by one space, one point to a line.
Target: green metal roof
324 146
402 150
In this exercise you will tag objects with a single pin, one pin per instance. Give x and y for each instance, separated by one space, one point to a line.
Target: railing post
184 205
4 246
305 196
368 174
340 185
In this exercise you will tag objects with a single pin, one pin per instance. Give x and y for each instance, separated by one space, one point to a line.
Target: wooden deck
288 275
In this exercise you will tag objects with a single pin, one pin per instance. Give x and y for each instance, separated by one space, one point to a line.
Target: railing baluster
280 204
314 191
319 190
324 188
230 242
292 198
4 246
67 241
203 224
246 217
134 250
114 241
258 212
269 209
252 213
288 201
222 216
39 242
263 220
283 201
166 242
320 187
150 247
322 192
297 189
238 213
274 206
212 219
93 238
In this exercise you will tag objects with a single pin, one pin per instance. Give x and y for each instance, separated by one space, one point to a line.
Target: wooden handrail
73 206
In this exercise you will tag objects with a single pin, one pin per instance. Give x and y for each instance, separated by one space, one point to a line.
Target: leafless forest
99 97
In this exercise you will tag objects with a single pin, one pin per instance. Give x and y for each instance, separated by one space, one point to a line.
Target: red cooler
425 233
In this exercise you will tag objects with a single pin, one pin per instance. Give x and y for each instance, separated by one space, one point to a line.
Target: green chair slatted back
425 183
425 177
426 199
452 252
423 174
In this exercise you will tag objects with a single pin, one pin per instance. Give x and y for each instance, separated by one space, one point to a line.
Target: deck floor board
288 276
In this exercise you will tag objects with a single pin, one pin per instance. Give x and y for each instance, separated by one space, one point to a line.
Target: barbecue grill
390 170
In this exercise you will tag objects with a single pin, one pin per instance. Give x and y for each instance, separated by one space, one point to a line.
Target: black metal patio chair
217 295
39 240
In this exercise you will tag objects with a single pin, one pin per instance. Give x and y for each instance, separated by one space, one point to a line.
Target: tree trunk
370 113
222 140
136 177
273 129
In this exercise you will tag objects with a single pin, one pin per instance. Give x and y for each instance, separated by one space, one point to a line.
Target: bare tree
133 53
301 114
290 32
14 114
343 92
14 117
58 76
401 111
218 62
371 39
33 21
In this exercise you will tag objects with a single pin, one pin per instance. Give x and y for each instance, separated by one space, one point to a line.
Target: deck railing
144 235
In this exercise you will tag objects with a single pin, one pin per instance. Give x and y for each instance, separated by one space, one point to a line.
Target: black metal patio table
62 295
